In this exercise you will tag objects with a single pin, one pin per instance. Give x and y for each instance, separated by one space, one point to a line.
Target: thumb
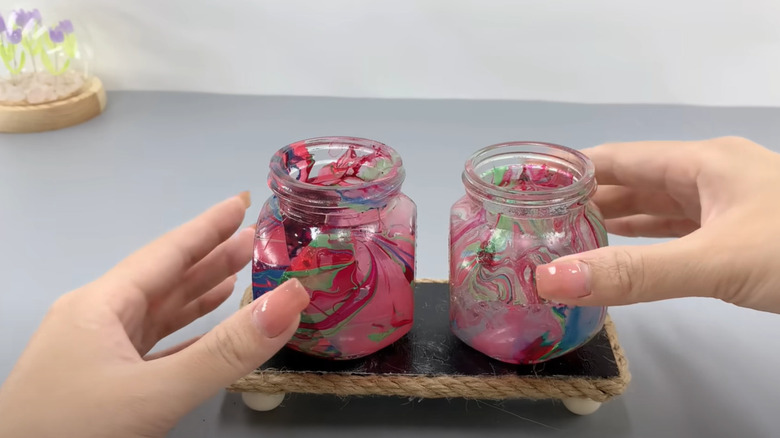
616 275
237 346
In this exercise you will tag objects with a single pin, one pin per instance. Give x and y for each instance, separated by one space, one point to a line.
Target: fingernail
246 198
276 310
563 280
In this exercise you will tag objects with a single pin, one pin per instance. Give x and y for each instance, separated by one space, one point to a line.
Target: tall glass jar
526 204
338 222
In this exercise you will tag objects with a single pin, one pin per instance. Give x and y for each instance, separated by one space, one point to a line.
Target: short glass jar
526 204
338 222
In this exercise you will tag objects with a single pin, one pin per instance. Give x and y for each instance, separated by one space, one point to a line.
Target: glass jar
338 222
42 59
526 204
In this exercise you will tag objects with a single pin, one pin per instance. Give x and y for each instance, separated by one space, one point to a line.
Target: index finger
155 268
649 165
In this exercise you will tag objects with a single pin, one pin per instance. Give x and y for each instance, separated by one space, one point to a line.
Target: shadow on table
336 416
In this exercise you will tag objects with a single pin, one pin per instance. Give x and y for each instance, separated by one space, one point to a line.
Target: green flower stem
7 57
28 44
54 69
13 65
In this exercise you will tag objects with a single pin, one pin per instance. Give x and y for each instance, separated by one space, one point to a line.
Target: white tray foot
262 402
581 406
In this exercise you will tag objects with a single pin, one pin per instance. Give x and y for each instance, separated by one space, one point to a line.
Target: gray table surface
74 202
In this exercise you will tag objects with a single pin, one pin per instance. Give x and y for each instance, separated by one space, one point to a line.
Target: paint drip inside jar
337 166
529 177
341 175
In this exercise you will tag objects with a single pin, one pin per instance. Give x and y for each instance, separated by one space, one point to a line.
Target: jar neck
558 211
325 218
335 176
529 179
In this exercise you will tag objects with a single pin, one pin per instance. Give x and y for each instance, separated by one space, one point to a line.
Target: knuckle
626 272
237 260
227 347
63 304
734 140
728 145
710 158
66 306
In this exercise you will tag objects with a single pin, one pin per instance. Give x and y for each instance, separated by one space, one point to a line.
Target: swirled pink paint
339 223
495 247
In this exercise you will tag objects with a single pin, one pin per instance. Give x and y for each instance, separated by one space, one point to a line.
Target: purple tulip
14 37
65 27
23 18
56 35
2 24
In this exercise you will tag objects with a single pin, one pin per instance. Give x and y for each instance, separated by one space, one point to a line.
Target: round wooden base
55 115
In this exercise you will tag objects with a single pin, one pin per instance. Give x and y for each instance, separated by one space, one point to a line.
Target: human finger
227 259
644 225
169 351
652 165
236 346
156 268
168 322
619 201
617 275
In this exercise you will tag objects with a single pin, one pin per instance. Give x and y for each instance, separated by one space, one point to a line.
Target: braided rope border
272 381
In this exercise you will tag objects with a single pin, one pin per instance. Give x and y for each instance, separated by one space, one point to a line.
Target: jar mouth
335 170
527 173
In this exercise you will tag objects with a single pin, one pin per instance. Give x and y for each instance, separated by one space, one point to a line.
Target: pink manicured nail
565 280
276 310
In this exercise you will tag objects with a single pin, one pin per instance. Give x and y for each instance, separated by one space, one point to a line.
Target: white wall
711 52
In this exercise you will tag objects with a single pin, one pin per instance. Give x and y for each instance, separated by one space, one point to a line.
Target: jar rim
582 186
282 182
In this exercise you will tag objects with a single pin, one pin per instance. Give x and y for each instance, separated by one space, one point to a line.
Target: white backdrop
711 52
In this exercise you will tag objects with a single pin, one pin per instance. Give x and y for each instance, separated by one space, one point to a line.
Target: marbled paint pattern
356 258
493 255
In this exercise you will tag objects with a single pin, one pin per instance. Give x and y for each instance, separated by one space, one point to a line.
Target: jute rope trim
271 381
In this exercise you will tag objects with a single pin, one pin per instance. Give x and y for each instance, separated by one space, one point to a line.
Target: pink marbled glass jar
526 204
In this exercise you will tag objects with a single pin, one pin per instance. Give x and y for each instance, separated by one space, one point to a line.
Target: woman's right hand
721 197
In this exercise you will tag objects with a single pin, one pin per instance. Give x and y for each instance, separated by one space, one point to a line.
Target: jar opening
330 171
529 174
528 177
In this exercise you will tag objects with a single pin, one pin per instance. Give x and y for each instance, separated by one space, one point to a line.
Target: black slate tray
431 349
430 362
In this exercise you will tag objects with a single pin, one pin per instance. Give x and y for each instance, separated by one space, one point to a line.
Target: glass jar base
517 360
350 349
527 334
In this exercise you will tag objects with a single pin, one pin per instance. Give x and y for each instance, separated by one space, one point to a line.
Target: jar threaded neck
529 175
334 173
